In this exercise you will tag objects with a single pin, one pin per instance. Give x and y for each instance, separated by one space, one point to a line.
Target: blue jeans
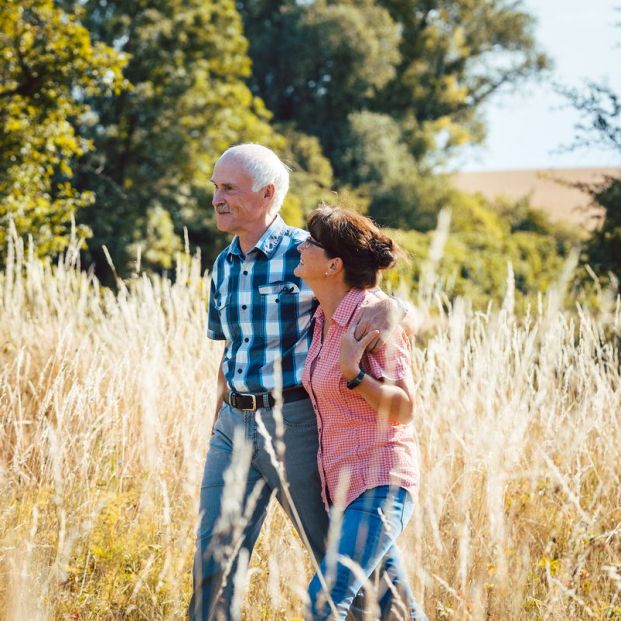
217 550
369 529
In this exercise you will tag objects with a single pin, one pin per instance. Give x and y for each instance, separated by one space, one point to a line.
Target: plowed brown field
560 192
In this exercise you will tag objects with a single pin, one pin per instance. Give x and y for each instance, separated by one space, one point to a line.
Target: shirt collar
235 249
346 308
268 242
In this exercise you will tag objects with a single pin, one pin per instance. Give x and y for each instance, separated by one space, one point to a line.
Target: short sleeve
393 361
214 322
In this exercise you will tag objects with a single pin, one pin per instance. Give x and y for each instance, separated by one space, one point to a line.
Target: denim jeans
369 529
217 551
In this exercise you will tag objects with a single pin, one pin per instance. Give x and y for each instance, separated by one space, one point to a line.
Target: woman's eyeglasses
308 241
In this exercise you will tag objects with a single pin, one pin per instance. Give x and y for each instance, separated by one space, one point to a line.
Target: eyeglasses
308 241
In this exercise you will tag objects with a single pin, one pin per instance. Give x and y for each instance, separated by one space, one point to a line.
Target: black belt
250 402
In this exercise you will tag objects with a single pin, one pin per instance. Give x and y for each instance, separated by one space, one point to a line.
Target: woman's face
313 260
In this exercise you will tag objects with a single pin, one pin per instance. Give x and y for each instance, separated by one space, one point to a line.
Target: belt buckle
236 395
254 404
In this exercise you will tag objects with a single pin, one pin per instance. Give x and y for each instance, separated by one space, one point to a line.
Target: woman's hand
352 350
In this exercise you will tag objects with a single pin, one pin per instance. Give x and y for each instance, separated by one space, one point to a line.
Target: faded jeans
369 529
217 550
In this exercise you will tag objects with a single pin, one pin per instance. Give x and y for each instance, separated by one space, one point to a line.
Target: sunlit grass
106 403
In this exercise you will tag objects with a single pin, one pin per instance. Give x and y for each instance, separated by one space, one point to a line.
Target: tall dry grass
106 402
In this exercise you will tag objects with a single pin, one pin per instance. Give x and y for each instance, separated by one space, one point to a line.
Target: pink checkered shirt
353 441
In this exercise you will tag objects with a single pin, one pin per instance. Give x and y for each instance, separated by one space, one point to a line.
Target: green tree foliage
412 202
48 66
454 55
314 62
481 244
157 142
311 177
389 87
600 108
366 96
371 152
603 251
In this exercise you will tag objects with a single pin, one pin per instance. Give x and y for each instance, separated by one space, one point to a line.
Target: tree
157 142
389 87
603 251
481 242
48 67
314 63
600 109
311 177
455 54
372 151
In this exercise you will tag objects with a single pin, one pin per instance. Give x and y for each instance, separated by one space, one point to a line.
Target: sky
527 128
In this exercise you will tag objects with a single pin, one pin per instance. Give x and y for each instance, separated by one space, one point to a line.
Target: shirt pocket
280 305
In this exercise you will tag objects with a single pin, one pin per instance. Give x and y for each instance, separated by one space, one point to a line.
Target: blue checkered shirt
261 310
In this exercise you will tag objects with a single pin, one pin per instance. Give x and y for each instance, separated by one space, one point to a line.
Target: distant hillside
550 190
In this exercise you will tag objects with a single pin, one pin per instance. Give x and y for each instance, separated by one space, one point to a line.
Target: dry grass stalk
106 403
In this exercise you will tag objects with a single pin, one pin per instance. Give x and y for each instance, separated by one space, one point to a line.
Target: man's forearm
221 387
385 315
411 320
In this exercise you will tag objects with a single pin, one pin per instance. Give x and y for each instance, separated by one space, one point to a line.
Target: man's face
239 209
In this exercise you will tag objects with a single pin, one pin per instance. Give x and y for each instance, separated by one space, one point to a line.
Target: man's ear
269 191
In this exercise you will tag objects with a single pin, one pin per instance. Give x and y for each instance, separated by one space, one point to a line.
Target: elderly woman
363 401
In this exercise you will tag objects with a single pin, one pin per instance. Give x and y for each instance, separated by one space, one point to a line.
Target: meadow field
106 403
561 193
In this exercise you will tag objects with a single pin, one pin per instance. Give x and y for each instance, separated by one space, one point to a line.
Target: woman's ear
336 265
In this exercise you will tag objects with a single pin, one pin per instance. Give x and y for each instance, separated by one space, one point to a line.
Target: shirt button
244 307
277 300
245 272
239 370
246 340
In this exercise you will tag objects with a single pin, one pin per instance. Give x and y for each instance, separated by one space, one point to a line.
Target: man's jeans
231 519
369 529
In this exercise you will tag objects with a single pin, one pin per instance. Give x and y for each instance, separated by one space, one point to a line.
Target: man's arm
221 387
385 315
412 319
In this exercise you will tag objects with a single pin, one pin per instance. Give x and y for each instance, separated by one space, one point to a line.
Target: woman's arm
392 401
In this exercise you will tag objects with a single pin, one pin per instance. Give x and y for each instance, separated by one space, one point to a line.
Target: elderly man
263 313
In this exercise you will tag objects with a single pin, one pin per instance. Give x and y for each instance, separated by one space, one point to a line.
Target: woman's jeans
369 529
217 549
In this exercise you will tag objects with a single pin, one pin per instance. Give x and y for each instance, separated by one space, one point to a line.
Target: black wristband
352 383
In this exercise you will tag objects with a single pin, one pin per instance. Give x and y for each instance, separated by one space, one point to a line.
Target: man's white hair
264 167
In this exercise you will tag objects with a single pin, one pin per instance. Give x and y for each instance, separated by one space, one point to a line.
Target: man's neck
248 239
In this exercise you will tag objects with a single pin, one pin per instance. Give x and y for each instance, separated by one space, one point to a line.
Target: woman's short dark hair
364 249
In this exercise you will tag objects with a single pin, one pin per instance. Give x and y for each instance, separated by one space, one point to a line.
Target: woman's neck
330 296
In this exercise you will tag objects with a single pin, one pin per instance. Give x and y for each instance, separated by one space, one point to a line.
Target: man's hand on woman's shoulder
385 315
